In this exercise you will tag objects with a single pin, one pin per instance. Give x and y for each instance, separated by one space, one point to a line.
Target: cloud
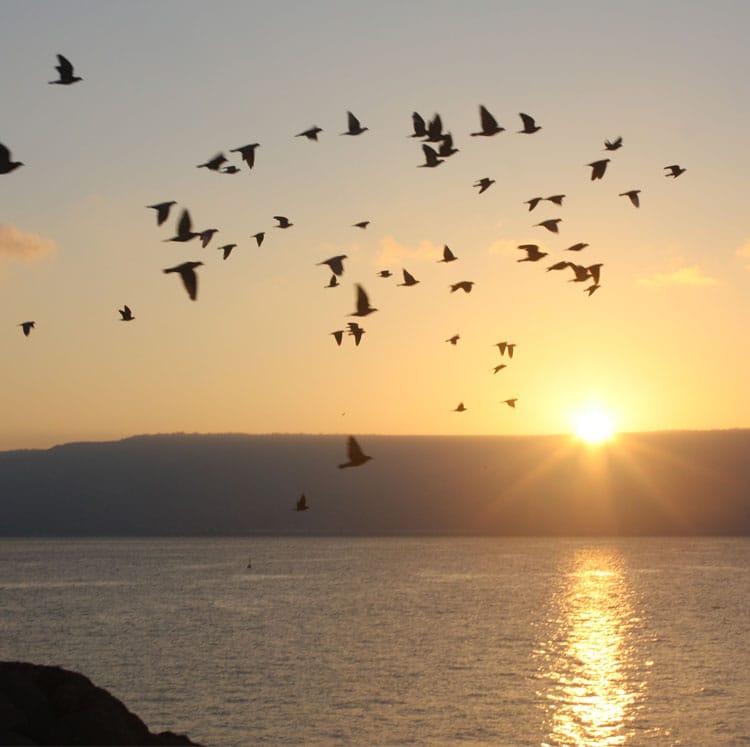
692 275
744 251
393 253
17 246
504 247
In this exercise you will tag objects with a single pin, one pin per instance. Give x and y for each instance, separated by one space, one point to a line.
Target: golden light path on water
594 682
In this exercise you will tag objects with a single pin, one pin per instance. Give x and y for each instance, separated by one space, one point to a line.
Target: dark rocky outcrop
43 705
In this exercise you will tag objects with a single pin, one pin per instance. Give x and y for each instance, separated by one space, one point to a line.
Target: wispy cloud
692 275
392 252
17 246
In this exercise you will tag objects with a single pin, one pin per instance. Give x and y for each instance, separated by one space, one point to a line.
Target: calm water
397 641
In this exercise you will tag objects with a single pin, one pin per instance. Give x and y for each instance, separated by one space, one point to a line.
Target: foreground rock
41 705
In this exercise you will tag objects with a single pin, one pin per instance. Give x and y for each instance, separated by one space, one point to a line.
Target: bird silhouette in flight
27 327
213 164
674 170
227 249
333 282
510 402
231 169
65 71
598 168
162 210
533 202
311 134
533 253
454 340
506 347
499 367
385 273
594 272
362 224
418 125
592 288
448 255
556 199
362 302
356 331
613 144
338 335
207 235
356 456
576 247
488 124
529 125
336 264
184 228
247 152
409 279
460 408
259 237
6 164
484 184
430 157
446 149
550 225
559 266
126 315
581 273
464 285
435 130
633 195
283 221
301 504
189 277
353 125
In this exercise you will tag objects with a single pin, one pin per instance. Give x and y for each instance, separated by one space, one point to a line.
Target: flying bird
499 367
126 315
247 152
510 402
356 330
301 504
232 169
464 285
385 273
504 347
259 237
454 340
283 221
533 202
354 127
356 456
409 279
6 165
446 149
594 272
363 303
311 134
333 282
674 170
338 335
162 210
430 157
550 225
558 266
581 273
533 253
335 263
207 235
557 199
362 224
592 288
227 249
184 228
213 164
633 195
484 184
418 125
189 278
529 125
598 168
576 247
27 327
613 144
460 408
448 255
65 71
488 123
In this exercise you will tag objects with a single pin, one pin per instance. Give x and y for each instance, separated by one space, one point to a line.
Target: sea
397 641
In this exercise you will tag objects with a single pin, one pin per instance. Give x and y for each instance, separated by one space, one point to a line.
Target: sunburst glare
594 426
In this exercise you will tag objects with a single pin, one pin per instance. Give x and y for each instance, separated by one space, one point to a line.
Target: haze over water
397 641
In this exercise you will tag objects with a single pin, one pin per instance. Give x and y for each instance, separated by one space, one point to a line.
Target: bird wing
430 155
65 67
354 451
184 227
420 129
528 122
408 277
4 154
190 280
489 123
363 303
448 255
353 122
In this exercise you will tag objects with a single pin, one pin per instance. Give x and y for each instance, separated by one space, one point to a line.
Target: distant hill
670 483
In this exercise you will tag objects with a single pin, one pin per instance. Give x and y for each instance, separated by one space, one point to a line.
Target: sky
662 344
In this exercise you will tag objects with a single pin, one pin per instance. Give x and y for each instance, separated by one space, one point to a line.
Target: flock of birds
437 146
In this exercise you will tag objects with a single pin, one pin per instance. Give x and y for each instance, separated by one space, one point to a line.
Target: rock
44 705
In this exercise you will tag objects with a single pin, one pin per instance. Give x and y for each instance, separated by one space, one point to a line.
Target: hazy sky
662 344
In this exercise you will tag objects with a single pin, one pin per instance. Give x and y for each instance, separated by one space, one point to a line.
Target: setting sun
594 426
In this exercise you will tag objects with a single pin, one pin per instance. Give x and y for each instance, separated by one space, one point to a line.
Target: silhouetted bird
333 282
633 195
454 340
510 402
338 335
598 168
434 132
488 123
499 367
484 184
558 266
247 152
362 302
464 285
581 273
214 164
207 235
430 157
231 169
550 225
354 127
409 279
27 327
533 202
259 237
184 228
356 330
356 456
311 134
674 170
418 125
65 71
504 347
529 125
590 290
6 165
189 278
594 272
533 253
613 144
162 210
557 199
227 249
460 408
385 273
283 221
301 504
576 247
126 315
335 263
362 224
448 255
446 149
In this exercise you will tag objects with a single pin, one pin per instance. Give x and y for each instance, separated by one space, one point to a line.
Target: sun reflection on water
588 657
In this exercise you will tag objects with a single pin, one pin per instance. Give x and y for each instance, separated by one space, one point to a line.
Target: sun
594 426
